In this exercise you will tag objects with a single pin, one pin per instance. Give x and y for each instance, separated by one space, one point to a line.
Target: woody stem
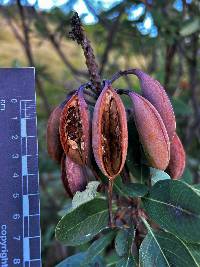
110 190
78 34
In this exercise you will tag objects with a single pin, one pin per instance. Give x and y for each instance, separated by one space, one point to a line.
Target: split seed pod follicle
103 132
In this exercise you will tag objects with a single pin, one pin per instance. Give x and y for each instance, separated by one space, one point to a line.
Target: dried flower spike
109 132
154 92
177 158
54 146
75 129
152 132
73 176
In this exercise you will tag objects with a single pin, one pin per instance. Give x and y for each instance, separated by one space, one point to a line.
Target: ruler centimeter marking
19 185
29 152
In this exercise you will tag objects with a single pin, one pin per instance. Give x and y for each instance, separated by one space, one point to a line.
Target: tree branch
52 38
27 47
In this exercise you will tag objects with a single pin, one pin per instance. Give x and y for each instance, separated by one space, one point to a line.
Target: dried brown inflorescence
109 132
177 158
73 176
154 92
54 146
75 129
152 132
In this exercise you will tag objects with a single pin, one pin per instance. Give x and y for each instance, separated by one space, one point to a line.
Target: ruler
19 187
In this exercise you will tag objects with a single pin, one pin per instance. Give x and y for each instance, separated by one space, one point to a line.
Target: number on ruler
15 156
13 100
16 216
15 137
15 175
16 261
17 238
15 195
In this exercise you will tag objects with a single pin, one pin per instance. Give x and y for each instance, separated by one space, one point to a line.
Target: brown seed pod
177 158
54 146
75 129
109 132
152 132
154 92
73 176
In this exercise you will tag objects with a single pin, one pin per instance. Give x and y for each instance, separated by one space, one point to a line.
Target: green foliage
97 247
78 259
175 206
190 27
78 227
121 242
162 249
130 189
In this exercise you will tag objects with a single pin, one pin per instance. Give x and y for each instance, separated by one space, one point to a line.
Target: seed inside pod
153 91
73 176
177 158
109 132
152 132
75 129
54 146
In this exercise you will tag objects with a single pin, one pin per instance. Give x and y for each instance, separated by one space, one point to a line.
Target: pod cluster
75 135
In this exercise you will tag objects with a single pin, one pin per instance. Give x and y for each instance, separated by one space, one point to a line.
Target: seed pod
75 129
109 132
73 176
152 132
177 158
153 91
54 146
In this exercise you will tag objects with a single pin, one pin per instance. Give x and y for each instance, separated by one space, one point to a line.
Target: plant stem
110 190
79 35
121 73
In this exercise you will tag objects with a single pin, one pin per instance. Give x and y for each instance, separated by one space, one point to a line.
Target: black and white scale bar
19 187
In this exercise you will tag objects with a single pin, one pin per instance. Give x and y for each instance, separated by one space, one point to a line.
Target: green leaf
195 251
175 206
77 259
131 189
187 176
121 242
126 262
181 108
162 249
158 175
112 259
83 223
190 27
139 171
97 247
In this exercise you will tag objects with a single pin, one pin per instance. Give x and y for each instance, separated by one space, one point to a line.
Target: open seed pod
152 132
109 132
73 176
177 158
75 129
154 92
54 146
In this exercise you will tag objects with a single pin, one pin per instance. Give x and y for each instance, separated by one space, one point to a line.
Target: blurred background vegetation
160 37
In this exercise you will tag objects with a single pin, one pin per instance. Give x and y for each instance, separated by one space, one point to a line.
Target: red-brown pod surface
73 176
109 132
75 129
152 132
177 158
54 146
154 92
